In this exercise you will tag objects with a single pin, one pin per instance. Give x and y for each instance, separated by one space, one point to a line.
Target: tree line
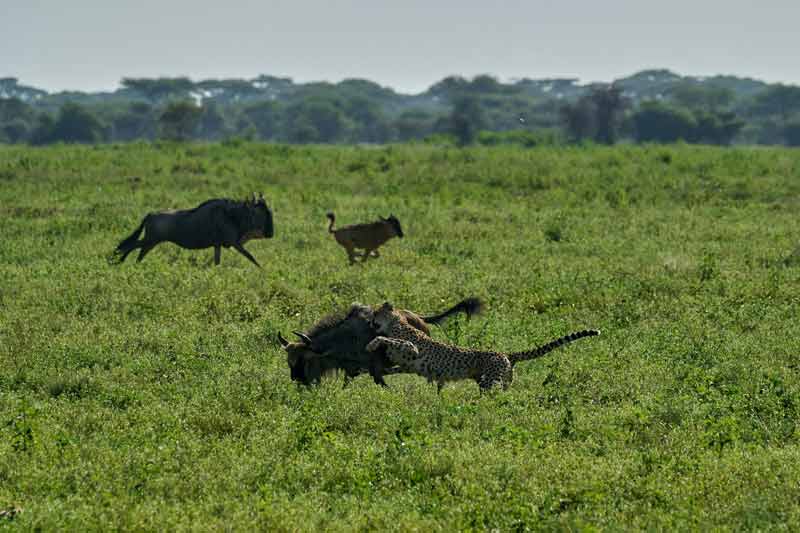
650 106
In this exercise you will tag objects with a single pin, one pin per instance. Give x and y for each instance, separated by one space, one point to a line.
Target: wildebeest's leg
146 247
217 250
376 366
368 252
239 248
131 248
351 253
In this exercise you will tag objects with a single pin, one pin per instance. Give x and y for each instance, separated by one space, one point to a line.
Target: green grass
155 396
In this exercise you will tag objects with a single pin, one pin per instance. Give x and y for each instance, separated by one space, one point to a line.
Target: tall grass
155 396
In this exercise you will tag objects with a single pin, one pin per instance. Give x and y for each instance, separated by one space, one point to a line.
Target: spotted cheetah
418 353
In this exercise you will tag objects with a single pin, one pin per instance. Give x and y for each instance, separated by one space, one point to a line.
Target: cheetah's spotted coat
420 354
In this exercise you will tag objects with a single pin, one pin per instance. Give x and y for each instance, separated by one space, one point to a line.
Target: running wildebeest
218 222
339 342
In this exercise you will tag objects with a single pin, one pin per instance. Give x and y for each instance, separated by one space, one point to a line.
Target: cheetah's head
384 317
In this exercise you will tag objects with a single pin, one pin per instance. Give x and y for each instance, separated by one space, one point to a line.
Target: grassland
154 396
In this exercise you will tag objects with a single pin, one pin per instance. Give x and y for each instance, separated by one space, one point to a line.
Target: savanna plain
155 396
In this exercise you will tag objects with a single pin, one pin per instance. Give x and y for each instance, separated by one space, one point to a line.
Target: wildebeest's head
336 342
301 357
260 219
395 224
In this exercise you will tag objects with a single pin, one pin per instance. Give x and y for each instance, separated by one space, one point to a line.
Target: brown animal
368 237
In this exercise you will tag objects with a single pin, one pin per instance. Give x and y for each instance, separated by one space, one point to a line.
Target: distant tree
157 90
42 132
180 120
466 120
303 131
657 122
779 100
227 91
273 86
16 120
135 121
608 106
316 120
717 127
212 124
75 124
369 121
701 98
449 88
11 88
14 108
486 84
14 131
266 116
578 120
791 133
414 124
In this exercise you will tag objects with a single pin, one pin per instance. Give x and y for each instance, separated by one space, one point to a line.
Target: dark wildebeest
218 222
339 342
368 237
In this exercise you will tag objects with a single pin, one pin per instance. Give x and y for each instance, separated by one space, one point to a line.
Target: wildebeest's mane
224 202
333 320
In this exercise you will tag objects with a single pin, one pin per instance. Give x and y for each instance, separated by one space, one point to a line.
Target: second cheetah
420 354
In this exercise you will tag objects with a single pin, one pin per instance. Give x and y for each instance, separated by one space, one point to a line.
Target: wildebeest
218 222
339 341
368 236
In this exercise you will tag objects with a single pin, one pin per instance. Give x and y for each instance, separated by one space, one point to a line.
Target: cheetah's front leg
398 351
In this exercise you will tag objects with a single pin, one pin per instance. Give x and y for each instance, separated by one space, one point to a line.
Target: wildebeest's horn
303 337
283 341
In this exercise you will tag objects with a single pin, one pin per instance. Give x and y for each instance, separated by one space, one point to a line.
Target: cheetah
418 353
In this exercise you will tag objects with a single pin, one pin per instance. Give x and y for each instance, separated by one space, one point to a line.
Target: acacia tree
578 120
75 124
781 100
265 117
179 120
157 90
701 98
608 106
466 119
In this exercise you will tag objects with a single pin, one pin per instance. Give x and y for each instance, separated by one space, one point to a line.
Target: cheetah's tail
550 346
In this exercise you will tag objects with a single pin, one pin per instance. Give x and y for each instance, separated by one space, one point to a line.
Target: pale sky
408 45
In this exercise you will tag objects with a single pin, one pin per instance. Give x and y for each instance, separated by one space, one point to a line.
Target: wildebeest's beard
395 223
256 220
269 231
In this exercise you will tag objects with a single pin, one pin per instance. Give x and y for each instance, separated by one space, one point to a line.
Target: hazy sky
407 45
